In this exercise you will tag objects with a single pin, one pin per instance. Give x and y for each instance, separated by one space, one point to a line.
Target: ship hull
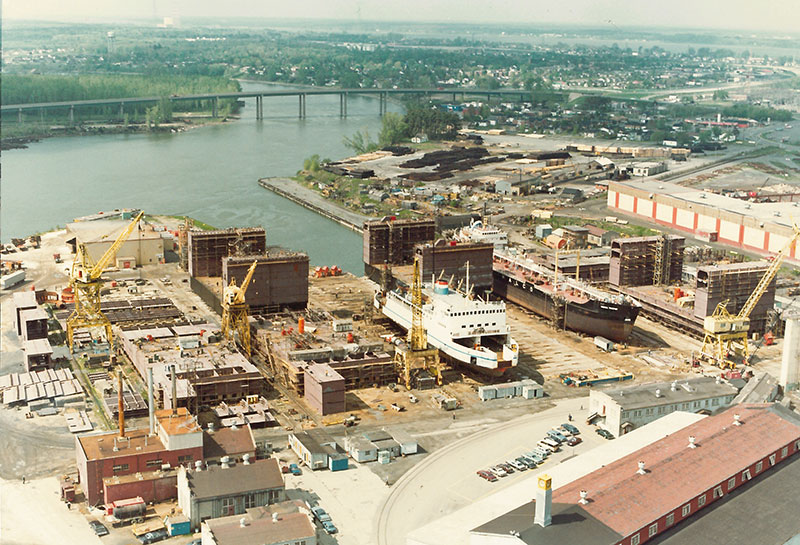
454 352
611 320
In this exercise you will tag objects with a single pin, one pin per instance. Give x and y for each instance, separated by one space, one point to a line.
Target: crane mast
724 332
86 283
235 310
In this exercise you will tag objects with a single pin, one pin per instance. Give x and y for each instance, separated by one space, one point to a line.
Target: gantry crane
724 331
235 310
86 284
416 354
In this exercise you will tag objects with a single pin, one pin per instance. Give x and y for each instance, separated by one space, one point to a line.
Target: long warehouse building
763 228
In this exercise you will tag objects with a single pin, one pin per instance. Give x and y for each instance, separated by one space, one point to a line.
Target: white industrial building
763 228
648 168
790 364
621 410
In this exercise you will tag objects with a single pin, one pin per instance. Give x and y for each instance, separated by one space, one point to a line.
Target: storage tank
130 508
555 242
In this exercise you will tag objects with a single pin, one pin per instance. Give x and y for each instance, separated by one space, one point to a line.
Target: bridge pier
343 105
71 115
454 98
301 97
122 110
381 104
214 107
259 107
19 116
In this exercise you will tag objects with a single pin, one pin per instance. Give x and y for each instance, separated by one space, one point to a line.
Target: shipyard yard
522 317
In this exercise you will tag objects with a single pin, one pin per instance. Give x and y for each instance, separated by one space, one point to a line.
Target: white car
545 446
516 465
499 471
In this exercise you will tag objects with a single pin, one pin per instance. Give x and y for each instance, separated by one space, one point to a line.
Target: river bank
180 124
307 198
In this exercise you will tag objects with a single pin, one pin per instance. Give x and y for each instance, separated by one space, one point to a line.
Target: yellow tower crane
726 333
86 283
417 355
235 310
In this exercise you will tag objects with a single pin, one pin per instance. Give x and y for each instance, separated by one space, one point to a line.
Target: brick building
656 488
178 440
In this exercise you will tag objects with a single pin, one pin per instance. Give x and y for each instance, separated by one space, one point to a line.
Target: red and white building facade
759 227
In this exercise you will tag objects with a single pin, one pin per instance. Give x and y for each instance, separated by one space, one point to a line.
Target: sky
753 15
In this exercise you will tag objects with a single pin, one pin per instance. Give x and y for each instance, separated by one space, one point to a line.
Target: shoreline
308 199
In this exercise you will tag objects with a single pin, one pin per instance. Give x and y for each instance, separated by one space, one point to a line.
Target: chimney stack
151 402
120 405
641 470
737 420
691 442
544 501
583 500
174 390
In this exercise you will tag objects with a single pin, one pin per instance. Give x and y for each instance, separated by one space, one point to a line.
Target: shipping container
9 280
487 392
604 344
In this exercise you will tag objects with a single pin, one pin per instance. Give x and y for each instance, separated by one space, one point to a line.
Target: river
209 173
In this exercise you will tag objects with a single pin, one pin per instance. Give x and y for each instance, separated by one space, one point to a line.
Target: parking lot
447 479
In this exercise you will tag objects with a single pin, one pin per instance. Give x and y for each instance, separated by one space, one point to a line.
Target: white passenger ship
472 332
478 232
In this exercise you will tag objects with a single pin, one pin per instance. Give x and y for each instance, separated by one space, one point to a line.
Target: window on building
715 401
784 452
120 467
772 459
745 475
228 506
154 463
731 483
635 539
185 458
249 501
718 492
696 404
653 530
701 501
759 467
686 509
670 519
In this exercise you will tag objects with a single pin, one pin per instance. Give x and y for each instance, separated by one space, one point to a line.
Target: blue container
337 462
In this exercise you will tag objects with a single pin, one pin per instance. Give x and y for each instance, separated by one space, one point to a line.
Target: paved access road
446 480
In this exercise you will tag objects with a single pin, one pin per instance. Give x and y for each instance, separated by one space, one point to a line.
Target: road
446 480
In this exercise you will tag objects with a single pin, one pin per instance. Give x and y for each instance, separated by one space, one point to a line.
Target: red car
488 475
572 441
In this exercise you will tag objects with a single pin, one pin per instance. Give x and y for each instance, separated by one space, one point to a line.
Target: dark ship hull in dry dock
611 317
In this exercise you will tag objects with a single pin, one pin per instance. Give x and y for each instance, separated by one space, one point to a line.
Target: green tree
720 95
393 130
360 142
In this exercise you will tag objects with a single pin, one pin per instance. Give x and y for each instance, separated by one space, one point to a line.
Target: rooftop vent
674 385
274 517
737 420
658 392
641 470
583 499
691 442
225 462
243 522
776 213
246 459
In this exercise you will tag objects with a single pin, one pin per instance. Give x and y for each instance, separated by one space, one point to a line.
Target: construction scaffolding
643 261
734 283
207 248
393 241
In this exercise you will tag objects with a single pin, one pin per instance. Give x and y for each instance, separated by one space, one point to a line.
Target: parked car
329 527
530 462
295 470
551 442
604 433
545 446
488 475
517 465
154 536
499 471
98 528
536 456
508 467
284 469
541 451
320 514
556 436
570 428
572 441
